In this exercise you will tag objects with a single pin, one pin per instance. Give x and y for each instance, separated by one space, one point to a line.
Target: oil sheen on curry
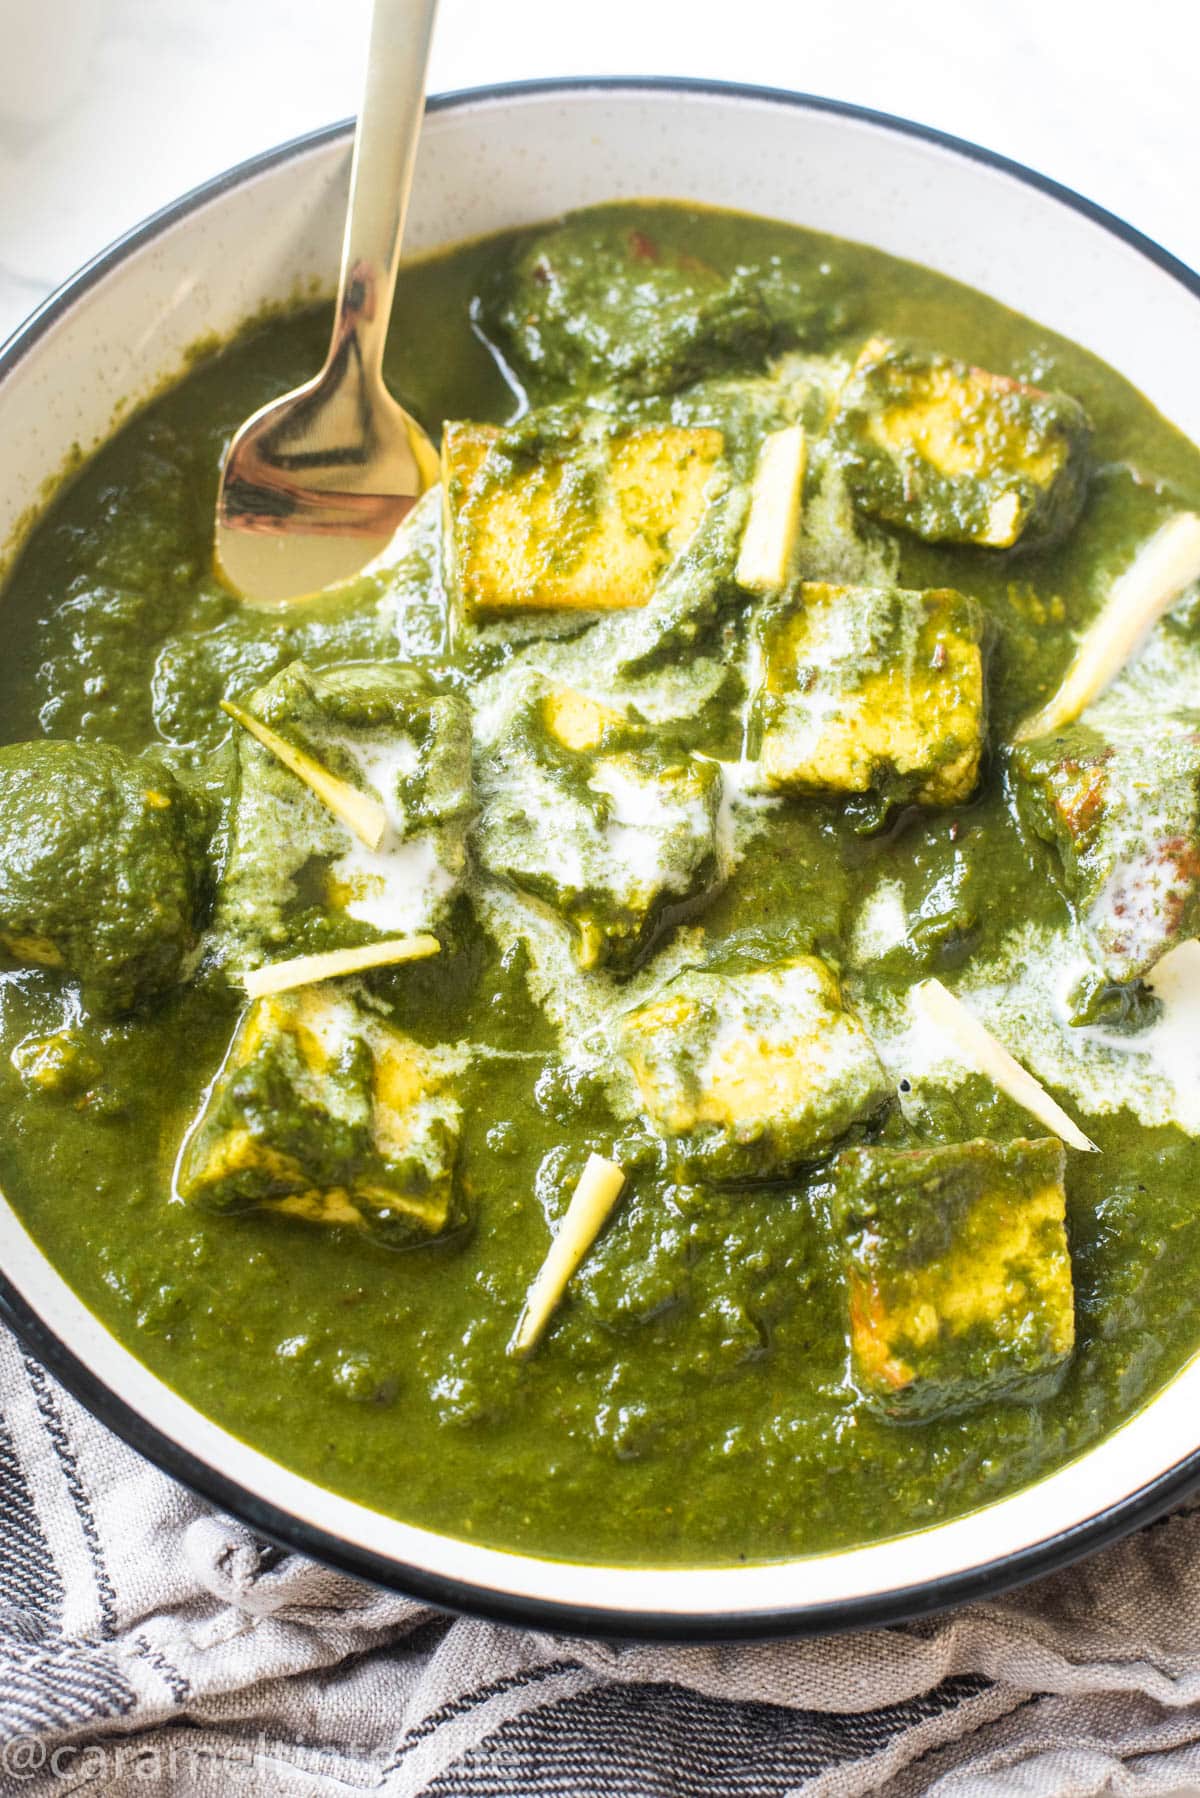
658 1024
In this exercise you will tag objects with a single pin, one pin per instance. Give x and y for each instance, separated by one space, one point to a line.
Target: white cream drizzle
396 888
1022 997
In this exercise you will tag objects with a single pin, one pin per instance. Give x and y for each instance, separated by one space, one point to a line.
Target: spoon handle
385 148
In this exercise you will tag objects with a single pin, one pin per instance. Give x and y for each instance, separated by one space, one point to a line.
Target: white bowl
505 156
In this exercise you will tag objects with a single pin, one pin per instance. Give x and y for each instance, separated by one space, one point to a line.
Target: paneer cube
576 521
101 870
870 690
598 302
959 1273
959 455
1119 804
297 880
586 813
751 1075
580 721
325 1112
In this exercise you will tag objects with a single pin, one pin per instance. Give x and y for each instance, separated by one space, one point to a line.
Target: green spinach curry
677 741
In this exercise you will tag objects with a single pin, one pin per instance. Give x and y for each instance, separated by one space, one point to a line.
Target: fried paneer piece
544 520
1119 804
296 878
625 303
584 811
750 1075
101 870
595 303
326 1112
870 690
959 1273
959 455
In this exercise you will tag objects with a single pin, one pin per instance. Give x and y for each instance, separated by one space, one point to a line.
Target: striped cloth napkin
149 1645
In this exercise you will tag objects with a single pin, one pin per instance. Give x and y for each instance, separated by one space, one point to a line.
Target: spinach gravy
785 705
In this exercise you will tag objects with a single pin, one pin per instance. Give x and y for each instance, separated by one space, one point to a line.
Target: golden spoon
315 484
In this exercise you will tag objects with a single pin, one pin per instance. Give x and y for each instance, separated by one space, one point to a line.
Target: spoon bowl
315 484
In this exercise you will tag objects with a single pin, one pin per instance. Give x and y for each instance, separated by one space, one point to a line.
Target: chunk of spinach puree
691 699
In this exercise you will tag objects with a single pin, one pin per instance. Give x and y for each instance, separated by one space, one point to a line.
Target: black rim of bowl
292 1533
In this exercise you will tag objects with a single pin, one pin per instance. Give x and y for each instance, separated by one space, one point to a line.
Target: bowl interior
270 233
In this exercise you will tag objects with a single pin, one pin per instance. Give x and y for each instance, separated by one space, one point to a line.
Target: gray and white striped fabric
149 1645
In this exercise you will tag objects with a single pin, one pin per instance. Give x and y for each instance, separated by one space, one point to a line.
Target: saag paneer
636 790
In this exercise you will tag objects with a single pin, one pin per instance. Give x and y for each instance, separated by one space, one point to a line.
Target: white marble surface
109 108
